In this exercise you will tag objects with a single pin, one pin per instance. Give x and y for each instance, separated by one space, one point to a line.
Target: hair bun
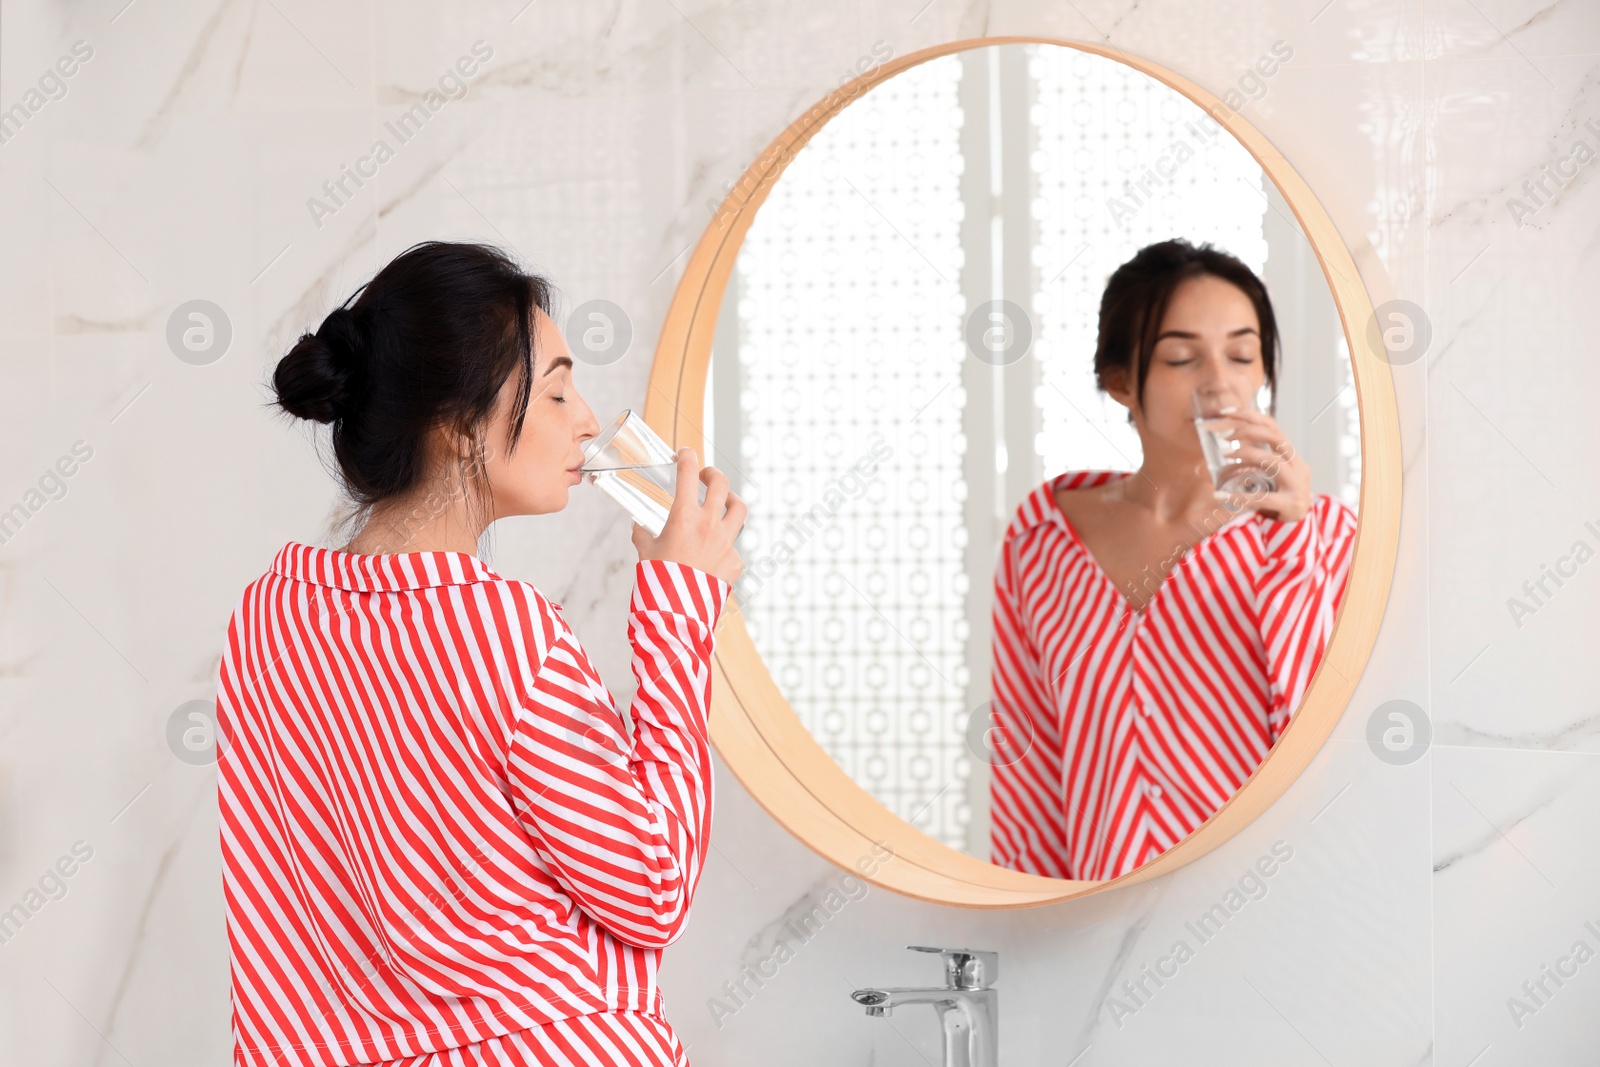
315 380
345 331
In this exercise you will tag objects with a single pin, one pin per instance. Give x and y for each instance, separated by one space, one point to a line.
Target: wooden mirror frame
757 732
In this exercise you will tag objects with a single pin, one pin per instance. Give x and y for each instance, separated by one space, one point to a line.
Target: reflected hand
1264 447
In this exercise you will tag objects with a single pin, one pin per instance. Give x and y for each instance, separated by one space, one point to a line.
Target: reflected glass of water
632 465
1227 473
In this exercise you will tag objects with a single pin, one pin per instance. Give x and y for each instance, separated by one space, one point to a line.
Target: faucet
967 1005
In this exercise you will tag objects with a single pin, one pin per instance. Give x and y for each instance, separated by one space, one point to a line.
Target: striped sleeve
1028 826
1301 584
625 827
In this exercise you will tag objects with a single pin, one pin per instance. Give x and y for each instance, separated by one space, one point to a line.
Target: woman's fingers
685 495
1278 504
1283 501
1260 433
716 490
736 513
1271 460
1262 445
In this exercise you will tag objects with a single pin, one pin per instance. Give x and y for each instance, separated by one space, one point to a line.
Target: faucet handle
966 968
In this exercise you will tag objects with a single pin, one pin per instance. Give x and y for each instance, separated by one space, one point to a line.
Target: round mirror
978 339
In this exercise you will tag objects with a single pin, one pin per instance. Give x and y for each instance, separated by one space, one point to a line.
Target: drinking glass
632 465
1227 473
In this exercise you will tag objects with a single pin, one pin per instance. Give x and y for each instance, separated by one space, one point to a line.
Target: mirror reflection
1045 420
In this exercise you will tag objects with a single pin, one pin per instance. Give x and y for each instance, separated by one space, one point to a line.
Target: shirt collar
380 573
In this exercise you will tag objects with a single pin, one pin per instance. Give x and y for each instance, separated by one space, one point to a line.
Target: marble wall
176 164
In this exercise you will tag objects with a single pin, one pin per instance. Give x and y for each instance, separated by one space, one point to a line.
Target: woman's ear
1115 383
459 447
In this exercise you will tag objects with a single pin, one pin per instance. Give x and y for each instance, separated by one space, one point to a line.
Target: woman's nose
1216 384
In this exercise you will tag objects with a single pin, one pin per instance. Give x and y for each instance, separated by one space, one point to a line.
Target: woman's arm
1301 585
625 828
1028 823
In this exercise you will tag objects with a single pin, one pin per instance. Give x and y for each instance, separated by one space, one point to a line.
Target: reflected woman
1151 635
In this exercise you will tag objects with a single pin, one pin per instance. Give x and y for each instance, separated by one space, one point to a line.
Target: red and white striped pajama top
438 845
1137 726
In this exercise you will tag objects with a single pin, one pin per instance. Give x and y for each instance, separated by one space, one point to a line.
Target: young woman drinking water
1151 635
440 846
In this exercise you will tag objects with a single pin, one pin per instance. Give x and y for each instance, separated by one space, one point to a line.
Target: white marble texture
1418 899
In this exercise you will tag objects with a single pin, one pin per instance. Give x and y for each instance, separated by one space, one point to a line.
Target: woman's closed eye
1190 359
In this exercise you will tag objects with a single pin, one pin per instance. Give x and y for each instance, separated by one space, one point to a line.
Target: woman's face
536 478
1209 343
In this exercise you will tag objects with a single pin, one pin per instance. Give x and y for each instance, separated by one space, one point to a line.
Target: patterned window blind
849 324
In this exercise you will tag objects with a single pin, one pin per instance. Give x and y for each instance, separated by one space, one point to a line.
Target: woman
1153 635
439 845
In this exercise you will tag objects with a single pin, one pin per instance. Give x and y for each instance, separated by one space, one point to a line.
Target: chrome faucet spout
894 996
969 1015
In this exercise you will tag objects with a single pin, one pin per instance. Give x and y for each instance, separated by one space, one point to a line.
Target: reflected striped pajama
1134 727
439 847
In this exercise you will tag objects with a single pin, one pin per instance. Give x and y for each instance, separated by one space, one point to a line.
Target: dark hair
1136 299
428 342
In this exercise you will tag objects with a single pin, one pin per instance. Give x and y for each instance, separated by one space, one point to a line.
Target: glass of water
1227 472
632 465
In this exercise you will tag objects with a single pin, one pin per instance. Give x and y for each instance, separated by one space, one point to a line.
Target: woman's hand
698 535
1263 447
